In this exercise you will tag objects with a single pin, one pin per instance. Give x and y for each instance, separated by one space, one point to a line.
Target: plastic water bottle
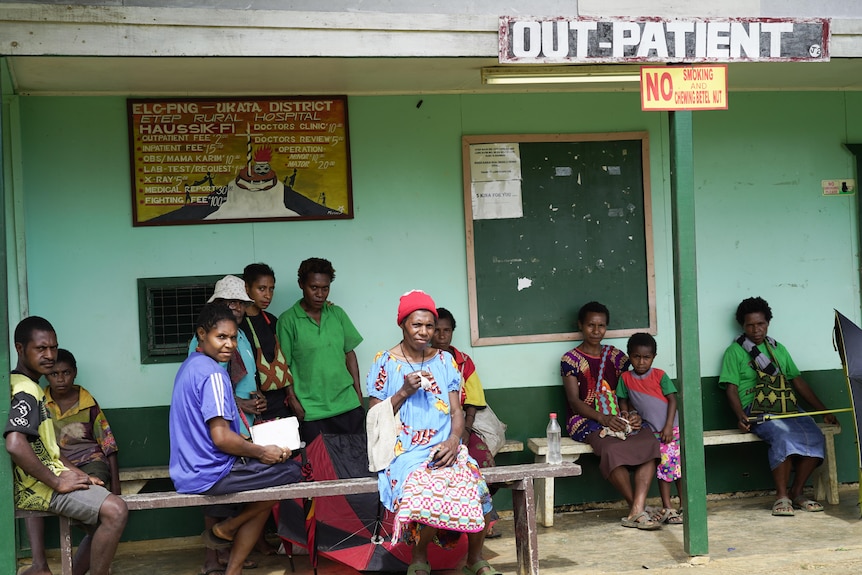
553 433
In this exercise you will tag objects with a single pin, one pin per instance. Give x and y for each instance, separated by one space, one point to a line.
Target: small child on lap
651 393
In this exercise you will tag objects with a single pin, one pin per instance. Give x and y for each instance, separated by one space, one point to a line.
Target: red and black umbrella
354 530
848 340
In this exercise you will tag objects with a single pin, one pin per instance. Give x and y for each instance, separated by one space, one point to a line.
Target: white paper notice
497 200
496 181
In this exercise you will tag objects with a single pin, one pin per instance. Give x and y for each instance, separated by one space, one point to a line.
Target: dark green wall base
142 435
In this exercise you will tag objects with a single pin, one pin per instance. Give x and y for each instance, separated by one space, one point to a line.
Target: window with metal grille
168 309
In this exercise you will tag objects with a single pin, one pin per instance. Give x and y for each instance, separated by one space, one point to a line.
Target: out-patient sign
496 181
669 88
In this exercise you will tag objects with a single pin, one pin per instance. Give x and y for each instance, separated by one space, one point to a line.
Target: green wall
763 228
758 169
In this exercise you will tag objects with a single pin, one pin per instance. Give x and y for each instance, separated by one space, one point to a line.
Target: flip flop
419 566
213 541
807 504
492 534
783 507
247 564
641 521
667 515
479 566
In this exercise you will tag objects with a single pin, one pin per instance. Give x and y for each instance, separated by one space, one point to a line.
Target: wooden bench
133 479
519 478
825 477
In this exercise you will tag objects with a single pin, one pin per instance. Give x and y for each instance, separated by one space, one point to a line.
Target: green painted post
7 506
696 536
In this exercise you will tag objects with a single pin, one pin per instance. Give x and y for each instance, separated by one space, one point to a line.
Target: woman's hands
294 404
613 422
255 404
413 382
445 454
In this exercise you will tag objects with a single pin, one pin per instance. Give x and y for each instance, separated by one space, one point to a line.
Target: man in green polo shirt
318 340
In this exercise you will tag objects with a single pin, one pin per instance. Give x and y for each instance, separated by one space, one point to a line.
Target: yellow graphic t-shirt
29 416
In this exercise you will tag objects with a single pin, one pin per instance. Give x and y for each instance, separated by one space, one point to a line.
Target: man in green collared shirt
318 339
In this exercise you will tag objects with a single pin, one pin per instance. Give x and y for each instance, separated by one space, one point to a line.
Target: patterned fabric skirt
790 436
453 500
669 468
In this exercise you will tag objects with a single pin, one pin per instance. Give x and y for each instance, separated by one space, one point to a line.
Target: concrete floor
743 539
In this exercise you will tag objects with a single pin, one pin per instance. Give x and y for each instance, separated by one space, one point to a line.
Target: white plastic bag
492 430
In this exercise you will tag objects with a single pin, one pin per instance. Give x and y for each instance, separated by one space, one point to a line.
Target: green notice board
555 221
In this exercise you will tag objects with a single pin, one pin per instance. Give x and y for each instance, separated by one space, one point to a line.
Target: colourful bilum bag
773 394
579 427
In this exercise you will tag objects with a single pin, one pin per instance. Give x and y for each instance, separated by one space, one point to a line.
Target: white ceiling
223 76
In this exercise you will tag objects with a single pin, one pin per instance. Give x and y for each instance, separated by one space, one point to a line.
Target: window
168 309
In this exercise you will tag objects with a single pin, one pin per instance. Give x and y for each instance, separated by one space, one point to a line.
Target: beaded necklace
407 359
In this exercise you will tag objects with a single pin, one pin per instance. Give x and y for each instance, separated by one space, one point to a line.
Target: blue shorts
248 474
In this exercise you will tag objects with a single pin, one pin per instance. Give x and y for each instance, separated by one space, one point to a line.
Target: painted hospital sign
617 40
197 161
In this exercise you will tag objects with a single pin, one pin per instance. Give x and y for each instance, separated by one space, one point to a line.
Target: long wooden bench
520 478
825 477
133 479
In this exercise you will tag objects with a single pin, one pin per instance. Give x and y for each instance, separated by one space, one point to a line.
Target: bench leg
132 486
65 545
826 476
526 539
545 493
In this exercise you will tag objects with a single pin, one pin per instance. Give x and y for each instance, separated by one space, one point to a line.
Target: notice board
554 221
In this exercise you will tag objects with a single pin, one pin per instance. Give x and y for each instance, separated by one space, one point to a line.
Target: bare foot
209 569
37 570
264 548
218 532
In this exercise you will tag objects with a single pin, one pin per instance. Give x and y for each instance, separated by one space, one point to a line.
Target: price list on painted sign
239 159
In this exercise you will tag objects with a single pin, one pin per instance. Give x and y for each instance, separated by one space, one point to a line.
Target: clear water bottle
553 434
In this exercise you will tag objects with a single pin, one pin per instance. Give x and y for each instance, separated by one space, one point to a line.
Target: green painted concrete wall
758 171
763 229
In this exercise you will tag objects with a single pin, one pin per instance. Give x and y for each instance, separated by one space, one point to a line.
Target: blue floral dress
425 417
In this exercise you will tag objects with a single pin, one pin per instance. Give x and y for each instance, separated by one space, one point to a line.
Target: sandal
419 567
667 515
213 541
807 504
641 521
247 564
481 567
783 507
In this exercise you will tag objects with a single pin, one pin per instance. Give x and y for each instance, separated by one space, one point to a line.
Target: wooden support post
8 563
687 339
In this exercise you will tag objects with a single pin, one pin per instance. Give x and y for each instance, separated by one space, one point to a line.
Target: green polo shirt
315 354
735 369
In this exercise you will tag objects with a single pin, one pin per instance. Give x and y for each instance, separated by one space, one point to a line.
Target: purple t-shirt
202 391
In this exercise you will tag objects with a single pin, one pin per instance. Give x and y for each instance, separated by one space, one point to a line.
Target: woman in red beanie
428 468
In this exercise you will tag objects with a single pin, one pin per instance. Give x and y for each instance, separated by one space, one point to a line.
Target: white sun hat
230 288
